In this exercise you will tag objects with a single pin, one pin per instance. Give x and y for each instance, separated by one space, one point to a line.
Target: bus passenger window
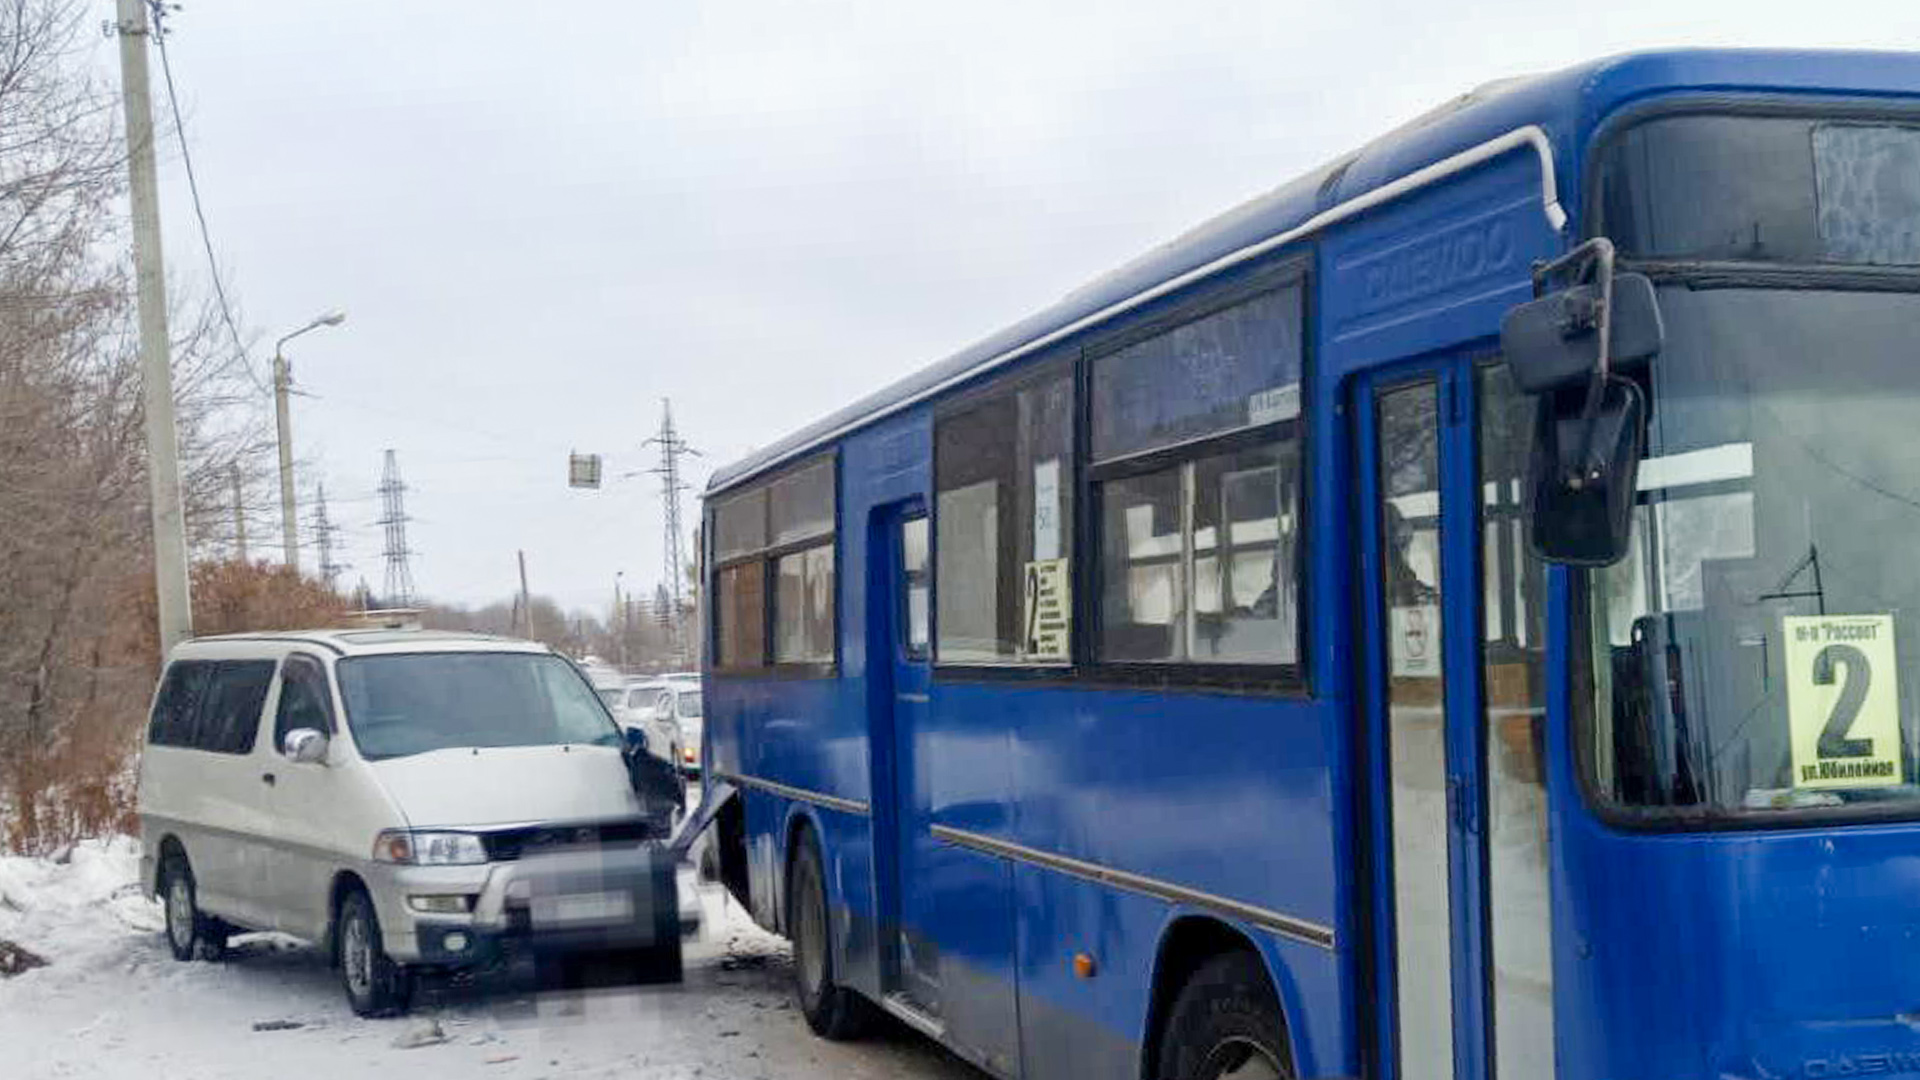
784 530
803 607
1003 516
740 616
1142 568
1197 467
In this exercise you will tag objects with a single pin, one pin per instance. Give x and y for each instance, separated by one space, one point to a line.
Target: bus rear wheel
832 1011
1225 1025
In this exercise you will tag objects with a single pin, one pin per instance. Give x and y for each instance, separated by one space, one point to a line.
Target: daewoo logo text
1434 262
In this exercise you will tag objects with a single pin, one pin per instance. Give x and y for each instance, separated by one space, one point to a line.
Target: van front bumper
577 899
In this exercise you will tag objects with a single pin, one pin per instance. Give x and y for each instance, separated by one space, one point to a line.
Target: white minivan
408 799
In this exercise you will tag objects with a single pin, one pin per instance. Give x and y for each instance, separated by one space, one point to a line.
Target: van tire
1225 1022
375 985
191 934
832 1011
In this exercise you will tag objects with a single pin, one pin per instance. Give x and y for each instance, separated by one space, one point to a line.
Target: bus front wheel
832 1011
1225 1025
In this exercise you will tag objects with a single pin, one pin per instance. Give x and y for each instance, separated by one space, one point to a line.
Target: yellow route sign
1843 701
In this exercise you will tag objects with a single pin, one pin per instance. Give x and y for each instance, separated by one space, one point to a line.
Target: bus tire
1225 1022
832 1011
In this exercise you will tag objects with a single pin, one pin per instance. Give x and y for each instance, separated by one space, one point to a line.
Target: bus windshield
1756 650
411 703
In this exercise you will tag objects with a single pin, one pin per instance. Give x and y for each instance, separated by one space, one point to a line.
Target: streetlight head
332 318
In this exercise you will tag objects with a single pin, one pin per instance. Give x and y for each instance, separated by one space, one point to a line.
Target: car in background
675 700
635 704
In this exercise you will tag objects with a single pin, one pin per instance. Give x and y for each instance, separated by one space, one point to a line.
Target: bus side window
777 535
1003 519
1197 472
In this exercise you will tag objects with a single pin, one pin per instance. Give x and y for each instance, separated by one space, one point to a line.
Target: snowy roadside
113 1003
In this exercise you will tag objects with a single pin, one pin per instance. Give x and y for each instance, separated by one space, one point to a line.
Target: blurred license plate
578 908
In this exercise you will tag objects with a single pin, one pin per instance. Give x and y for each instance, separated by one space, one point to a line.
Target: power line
193 187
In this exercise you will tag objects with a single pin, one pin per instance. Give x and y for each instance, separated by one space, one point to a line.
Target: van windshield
410 703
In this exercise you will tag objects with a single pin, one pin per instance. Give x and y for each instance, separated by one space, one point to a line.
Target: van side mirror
305 746
1589 428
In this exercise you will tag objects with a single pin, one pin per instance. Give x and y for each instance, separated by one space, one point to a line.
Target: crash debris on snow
15 959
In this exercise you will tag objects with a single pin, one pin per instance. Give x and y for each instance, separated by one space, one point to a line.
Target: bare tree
76 660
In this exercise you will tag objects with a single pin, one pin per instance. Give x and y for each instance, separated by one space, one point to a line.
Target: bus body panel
1738 954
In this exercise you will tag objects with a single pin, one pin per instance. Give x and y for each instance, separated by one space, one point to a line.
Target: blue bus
1444 619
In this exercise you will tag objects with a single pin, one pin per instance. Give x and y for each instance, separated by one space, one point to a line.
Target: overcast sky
544 218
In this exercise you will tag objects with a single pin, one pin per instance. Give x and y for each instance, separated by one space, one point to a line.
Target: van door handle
267 779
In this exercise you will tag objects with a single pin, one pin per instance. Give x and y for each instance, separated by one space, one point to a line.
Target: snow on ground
113 1003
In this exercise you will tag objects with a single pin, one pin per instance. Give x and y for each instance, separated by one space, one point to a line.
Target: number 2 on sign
1853 693
1843 701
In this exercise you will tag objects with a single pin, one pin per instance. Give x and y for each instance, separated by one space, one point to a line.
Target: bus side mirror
1583 473
1589 427
1553 343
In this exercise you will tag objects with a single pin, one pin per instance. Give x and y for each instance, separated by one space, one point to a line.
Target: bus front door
1455 730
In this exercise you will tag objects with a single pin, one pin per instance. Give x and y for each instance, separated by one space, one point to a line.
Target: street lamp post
282 383
619 619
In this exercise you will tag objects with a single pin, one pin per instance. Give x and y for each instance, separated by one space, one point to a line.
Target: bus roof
1566 104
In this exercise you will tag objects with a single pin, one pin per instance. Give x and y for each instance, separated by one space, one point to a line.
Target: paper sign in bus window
1046 509
1416 640
1049 610
1843 701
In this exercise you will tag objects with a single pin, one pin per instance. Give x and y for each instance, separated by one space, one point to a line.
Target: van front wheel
375 984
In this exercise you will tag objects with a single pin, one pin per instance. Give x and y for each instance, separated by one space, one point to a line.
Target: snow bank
76 908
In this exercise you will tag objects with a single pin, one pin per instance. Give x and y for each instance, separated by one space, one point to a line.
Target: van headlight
428 848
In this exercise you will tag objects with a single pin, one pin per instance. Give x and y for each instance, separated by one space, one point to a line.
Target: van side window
211 705
176 708
304 700
230 714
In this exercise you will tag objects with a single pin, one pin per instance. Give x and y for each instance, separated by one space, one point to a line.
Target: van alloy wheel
375 984
180 913
190 934
356 958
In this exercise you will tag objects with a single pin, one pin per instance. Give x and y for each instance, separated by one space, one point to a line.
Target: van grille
506 845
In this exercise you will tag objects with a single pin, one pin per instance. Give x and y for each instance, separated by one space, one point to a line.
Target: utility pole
239 515
526 601
156 365
289 528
